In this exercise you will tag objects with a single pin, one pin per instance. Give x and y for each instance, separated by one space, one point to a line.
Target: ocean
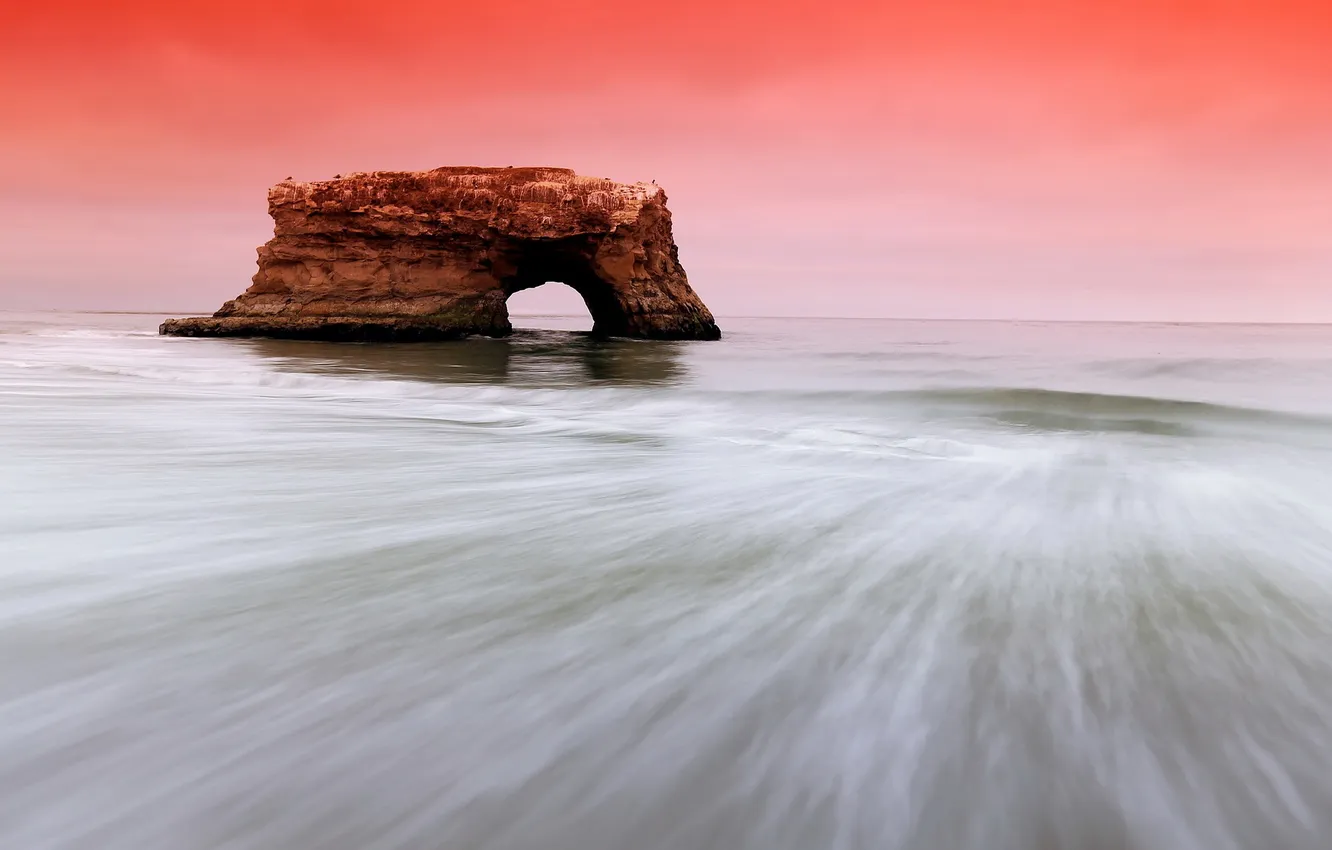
822 585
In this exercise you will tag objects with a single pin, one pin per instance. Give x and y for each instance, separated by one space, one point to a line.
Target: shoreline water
824 583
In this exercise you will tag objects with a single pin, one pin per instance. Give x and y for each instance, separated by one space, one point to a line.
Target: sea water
822 585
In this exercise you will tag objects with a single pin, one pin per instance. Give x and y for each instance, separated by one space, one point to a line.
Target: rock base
328 328
404 329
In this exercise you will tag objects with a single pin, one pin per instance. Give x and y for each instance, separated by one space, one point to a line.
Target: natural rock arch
431 255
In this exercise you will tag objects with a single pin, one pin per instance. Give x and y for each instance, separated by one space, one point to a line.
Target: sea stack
428 255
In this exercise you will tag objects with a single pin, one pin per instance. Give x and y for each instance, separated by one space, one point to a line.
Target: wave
1064 410
1092 402
1059 410
1203 368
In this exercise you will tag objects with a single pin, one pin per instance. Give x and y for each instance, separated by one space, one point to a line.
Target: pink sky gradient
1167 160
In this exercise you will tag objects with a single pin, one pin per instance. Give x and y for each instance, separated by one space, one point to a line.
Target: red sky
1084 159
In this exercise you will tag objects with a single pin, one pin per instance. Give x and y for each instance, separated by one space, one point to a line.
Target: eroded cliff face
435 254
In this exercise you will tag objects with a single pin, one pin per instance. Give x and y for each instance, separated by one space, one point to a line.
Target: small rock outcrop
435 254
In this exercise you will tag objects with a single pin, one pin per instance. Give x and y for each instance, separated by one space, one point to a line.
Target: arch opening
532 264
552 305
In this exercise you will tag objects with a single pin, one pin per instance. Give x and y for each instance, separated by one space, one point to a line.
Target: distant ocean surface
823 585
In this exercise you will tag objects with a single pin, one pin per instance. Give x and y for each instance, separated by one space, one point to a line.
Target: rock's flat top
540 202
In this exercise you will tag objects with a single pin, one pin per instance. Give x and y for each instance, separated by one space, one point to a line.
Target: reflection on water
535 357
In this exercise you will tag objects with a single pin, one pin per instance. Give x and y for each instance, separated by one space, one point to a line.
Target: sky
1161 160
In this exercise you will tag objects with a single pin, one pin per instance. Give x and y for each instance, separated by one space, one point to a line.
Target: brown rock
435 254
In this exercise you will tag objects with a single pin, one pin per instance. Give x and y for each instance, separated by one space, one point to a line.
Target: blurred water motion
820 585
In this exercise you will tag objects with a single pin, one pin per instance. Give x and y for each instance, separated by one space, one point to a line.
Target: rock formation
435 254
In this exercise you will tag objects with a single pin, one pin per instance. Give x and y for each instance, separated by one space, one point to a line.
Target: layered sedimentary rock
435 254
